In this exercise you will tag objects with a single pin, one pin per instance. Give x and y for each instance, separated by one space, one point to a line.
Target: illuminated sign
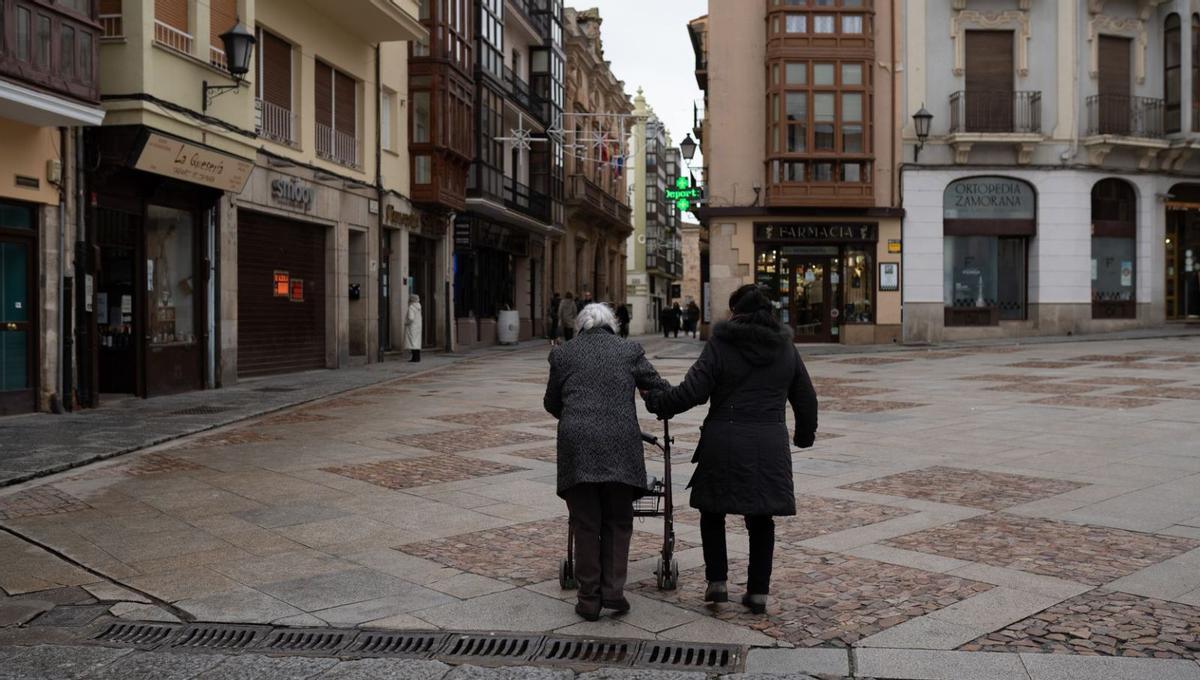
297 290
684 194
281 284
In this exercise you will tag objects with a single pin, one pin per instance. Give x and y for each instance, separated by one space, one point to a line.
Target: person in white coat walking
413 327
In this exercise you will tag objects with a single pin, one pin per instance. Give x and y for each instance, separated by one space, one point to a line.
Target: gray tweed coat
591 393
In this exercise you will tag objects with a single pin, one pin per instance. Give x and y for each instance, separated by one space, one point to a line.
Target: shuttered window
223 15
344 105
110 6
275 76
323 106
173 13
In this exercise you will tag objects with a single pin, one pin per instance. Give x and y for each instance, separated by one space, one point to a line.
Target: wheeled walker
658 502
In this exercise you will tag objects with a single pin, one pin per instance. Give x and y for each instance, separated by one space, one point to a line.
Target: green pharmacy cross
684 194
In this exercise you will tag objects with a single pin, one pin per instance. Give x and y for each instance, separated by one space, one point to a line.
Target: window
421 117
852 122
422 169
797 74
797 125
859 286
76 6
1195 72
820 108
336 109
1114 250
386 101
43 41
85 57
1172 74
797 23
24 34
852 23
274 55
823 23
66 58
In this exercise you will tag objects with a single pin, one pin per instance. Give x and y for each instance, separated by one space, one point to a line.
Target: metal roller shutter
277 334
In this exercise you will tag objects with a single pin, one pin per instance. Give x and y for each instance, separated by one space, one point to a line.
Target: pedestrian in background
623 319
601 468
414 327
566 315
676 318
691 317
585 299
750 371
664 320
552 317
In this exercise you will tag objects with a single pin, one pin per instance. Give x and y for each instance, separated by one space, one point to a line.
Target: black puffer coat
591 392
750 373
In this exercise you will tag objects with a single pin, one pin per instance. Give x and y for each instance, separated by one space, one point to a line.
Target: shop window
1114 250
169 276
859 285
984 279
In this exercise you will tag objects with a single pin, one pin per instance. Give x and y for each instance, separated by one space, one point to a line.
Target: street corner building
1056 191
800 140
246 191
48 92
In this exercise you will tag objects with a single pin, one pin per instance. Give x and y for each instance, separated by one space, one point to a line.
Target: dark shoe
717 592
618 606
590 611
756 603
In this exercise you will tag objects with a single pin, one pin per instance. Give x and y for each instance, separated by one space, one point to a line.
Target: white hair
596 315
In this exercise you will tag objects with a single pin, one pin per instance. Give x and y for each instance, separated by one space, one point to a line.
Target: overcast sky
648 45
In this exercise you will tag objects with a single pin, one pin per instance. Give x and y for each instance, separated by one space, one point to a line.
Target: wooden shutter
173 13
989 81
345 99
323 107
223 15
277 70
1114 65
110 6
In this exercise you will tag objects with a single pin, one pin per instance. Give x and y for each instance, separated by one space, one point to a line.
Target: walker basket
650 505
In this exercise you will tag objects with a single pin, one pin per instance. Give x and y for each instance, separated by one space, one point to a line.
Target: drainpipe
381 331
56 399
83 365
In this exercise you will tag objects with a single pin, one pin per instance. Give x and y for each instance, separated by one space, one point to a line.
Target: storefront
18 311
830 278
493 272
152 224
1182 253
414 262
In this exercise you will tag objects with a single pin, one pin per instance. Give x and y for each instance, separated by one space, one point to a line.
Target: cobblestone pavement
940 519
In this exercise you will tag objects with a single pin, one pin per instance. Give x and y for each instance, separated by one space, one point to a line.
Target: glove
804 441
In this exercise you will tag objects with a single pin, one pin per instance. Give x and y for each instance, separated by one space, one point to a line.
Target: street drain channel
487 649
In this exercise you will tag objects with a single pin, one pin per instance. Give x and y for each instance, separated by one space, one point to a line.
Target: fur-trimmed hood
759 344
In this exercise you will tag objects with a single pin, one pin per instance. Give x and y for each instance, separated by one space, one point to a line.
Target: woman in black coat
750 370
601 464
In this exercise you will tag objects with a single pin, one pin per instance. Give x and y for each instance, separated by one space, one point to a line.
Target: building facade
591 254
800 145
48 92
239 232
1057 192
655 249
514 189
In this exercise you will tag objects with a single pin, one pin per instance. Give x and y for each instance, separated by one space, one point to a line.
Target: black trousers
602 518
762 550
416 355
568 333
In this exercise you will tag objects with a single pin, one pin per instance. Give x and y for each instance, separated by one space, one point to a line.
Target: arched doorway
1114 250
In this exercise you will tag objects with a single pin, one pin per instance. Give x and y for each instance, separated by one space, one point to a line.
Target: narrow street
1033 505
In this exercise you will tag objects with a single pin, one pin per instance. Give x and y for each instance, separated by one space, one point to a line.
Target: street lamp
239 44
688 147
921 120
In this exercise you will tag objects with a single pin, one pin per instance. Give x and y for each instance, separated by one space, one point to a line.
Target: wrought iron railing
337 147
275 122
112 26
973 111
173 38
520 90
584 191
216 57
1112 114
521 198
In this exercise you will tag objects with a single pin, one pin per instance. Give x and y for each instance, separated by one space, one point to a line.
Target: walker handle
649 439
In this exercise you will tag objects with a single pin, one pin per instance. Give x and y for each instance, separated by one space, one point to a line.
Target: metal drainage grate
200 411
144 635
308 641
571 652
489 647
218 637
686 656
410 645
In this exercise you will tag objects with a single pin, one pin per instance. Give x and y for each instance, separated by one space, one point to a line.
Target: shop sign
292 192
395 218
684 194
462 236
282 281
815 232
988 198
894 246
297 294
192 163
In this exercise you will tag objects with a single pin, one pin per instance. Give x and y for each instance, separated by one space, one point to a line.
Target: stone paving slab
971 488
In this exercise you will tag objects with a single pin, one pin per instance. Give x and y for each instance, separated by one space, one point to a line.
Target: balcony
112 27
521 198
586 195
521 94
50 79
172 38
338 147
1124 121
1013 118
274 122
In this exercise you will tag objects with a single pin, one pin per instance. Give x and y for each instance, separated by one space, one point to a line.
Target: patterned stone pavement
972 488
935 513
1085 554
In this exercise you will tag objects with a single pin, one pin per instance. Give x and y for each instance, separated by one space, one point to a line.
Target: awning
42 109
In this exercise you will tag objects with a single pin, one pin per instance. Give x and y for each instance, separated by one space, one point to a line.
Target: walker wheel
668 578
566 576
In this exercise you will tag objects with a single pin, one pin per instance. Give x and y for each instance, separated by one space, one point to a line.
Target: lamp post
921 121
688 147
239 44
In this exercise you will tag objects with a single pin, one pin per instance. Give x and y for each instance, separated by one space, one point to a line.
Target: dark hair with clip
752 304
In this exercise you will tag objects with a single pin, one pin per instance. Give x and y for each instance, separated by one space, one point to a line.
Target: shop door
117 296
816 288
1183 265
17 339
174 302
422 260
281 295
